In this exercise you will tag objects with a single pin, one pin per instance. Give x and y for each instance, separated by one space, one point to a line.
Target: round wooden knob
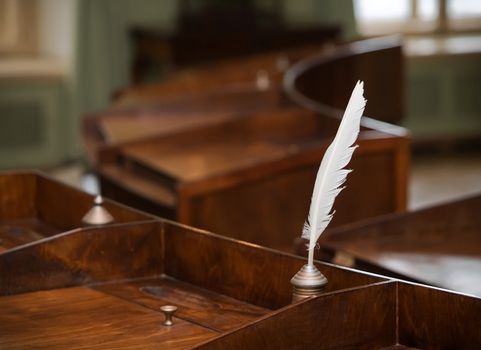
168 311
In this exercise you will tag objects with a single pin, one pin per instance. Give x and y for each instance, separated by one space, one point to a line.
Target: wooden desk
173 114
102 288
440 246
33 206
227 158
254 184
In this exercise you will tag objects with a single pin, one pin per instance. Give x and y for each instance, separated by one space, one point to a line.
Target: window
416 16
464 14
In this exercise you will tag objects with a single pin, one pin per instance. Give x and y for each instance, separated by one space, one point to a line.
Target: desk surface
440 246
102 317
102 287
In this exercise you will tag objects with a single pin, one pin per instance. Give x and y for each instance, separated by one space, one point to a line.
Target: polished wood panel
440 246
80 318
148 249
52 197
434 319
139 264
285 195
22 231
18 196
171 114
34 206
389 315
335 321
230 294
194 304
256 275
215 183
320 82
83 257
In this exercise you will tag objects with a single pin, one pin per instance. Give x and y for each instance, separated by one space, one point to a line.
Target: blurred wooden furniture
313 76
241 160
34 206
440 246
261 70
212 31
321 82
103 287
160 52
251 177
175 113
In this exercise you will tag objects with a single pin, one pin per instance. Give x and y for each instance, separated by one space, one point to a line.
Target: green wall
444 96
34 131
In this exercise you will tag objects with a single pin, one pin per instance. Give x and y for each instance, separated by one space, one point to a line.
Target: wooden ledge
31 69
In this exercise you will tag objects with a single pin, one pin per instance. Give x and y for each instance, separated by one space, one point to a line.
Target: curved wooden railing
321 82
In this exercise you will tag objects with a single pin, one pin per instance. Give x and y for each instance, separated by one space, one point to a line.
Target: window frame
18 27
441 24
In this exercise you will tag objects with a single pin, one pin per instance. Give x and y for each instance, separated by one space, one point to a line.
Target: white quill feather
332 173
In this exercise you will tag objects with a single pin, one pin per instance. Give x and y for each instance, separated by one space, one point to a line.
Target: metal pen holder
307 282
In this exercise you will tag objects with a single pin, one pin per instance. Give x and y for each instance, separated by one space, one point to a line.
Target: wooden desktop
102 287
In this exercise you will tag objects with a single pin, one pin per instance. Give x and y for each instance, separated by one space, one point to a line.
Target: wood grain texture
284 195
173 114
371 61
359 319
53 196
223 289
80 318
84 256
440 246
208 309
22 231
18 195
215 183
34 206
243 271
436 319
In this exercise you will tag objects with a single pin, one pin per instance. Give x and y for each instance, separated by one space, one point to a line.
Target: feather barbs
332 173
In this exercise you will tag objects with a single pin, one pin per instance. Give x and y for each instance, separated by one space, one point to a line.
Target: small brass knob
168 311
